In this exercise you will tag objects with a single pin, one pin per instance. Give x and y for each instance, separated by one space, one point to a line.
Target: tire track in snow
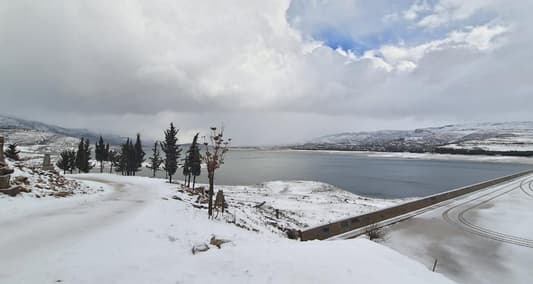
460 221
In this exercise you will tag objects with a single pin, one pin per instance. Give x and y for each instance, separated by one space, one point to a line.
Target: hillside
10 124
510 138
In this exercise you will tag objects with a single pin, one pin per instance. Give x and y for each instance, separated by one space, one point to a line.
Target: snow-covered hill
10 124
464 138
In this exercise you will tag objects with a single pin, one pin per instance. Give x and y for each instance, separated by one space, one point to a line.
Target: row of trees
69 160
130 157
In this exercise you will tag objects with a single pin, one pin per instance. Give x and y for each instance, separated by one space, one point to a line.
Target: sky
271 72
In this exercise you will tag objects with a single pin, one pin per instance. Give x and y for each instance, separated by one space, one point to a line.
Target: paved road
484 237
24 237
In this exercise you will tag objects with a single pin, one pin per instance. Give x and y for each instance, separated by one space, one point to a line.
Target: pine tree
172 151
139 153
80 155
12 152
155 160
67 161
131 162
195 160
187 168
101 151
122 159
112 157
86 157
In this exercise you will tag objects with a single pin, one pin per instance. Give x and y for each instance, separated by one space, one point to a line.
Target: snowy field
135 232
280 205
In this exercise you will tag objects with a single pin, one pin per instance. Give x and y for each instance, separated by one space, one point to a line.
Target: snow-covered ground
290 204
44 183
506 136
431 156
135 232
485 237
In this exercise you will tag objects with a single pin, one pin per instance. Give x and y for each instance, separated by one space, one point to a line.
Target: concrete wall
349 224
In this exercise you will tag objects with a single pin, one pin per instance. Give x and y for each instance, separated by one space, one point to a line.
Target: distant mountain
10 124
509 138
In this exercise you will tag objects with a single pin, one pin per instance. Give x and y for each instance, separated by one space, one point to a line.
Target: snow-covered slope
136 233
491 137
10 124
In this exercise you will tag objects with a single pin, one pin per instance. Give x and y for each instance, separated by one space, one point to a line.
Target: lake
367 176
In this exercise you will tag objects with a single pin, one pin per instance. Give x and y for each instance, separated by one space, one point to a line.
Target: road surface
54 223
484 237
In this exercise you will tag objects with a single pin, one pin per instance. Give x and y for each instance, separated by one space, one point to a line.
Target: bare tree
214 158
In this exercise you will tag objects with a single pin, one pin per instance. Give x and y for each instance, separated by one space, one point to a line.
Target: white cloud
446 11
122 63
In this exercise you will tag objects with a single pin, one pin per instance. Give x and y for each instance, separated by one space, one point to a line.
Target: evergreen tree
155 160
120 161
80 155
85 164
172 151
132 159
195 160
112 157
12 152
187 168
139 153
67 161
101 153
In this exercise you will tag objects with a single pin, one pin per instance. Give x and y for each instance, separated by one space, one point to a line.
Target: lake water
368 176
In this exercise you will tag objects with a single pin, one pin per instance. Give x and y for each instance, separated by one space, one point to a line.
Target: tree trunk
189 180
210 197
170 178
193 182
101 166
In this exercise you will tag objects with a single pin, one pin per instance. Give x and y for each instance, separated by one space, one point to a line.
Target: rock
6 171
15 190
20 180
218 242
176 197
4 181
200 248
62 194
293 234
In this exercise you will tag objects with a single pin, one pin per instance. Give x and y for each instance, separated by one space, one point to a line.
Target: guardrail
349 224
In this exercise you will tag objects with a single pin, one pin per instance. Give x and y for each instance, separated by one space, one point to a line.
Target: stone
20 180
47 165
14 191
4 181
199 248
6 171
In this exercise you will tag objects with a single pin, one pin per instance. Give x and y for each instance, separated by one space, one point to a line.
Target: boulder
6 171
15 190
4 181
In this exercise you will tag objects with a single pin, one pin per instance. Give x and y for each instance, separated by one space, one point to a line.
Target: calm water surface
368 176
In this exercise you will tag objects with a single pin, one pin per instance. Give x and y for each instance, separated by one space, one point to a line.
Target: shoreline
412 156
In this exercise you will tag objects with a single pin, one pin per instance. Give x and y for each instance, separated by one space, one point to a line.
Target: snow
430 156
475 237
508 136
300 204
45 183
136 233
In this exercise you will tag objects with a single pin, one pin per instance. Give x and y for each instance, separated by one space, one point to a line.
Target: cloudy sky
276 71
